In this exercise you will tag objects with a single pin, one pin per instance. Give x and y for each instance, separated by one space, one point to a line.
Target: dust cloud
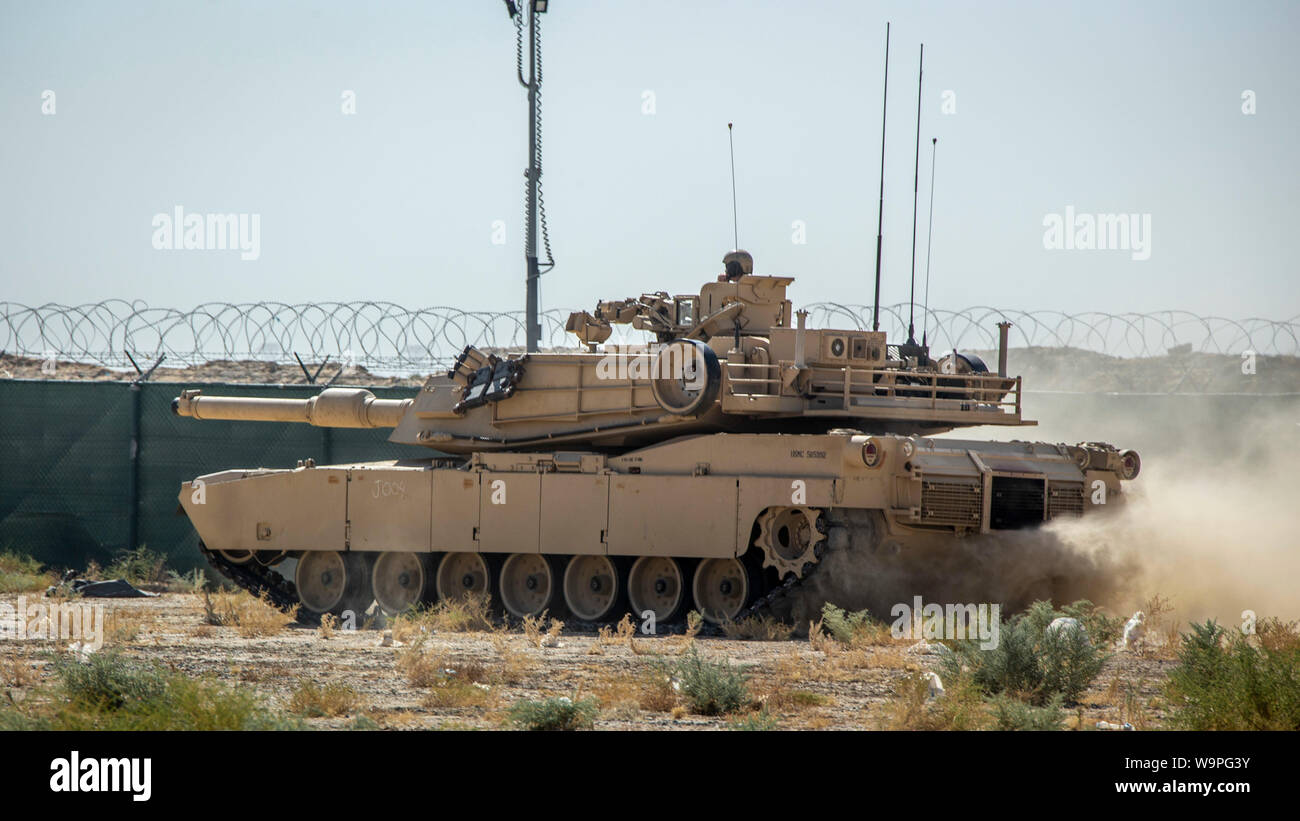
1212 523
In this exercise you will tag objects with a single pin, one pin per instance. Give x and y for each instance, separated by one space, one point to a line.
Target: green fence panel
66 475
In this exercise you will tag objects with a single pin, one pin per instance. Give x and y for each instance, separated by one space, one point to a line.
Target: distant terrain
1043 369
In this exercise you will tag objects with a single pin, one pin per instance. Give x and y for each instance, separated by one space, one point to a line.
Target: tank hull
764 506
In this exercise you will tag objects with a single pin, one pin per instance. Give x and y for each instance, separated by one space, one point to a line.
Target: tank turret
733 358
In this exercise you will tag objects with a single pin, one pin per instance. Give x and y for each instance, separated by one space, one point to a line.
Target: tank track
256 578
838 526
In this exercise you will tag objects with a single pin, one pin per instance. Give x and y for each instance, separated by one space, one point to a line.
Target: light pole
533 329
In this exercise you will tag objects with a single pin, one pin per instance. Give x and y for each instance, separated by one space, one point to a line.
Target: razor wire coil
388 338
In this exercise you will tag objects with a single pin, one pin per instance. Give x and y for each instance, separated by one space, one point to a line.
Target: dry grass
452 693
329 700
1132 709
786 700
459 682
620 635
328 624
821 641
515 665
758 628
961 708
1278 636
17 672
251 617
449 682
472 614
1162 638
627 693
122 626
539 633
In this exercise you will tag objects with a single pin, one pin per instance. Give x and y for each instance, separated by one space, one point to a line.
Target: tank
712 468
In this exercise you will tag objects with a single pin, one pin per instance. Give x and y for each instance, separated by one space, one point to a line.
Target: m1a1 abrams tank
711 469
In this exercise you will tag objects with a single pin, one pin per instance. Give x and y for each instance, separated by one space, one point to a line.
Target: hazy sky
236 107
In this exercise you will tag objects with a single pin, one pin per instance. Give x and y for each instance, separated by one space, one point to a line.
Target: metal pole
916 185
880 215
133 489
929 237
735 220
533 332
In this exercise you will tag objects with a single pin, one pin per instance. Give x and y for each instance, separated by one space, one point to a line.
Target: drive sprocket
790 538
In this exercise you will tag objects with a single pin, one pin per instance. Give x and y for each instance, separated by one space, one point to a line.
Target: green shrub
1223 681
560 713
113 692
1029 662
23 574
762 721
109 681
711 688
845 626
1012 714
1104 630
139 566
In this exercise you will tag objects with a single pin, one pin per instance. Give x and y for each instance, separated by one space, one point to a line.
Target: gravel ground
801 685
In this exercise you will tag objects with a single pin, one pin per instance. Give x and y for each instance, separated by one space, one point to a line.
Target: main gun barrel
331 408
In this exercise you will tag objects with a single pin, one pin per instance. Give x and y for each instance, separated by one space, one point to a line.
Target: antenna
916 180
929 235
735 222
880 214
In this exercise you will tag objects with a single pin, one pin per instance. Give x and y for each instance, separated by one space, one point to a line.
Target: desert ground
431 678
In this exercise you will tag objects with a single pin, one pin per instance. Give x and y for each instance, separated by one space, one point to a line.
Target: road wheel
332 582
529 585
461 575
400 580
594 588
656 584
722 588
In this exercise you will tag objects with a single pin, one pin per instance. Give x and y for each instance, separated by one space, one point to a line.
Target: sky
217 107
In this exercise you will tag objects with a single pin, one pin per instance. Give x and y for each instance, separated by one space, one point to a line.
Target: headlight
1130 464
872 453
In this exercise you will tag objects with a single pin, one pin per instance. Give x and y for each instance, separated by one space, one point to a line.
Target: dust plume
1212 522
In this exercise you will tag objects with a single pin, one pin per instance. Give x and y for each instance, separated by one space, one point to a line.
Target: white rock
1106 725
935 687
81 651
1066 624
1134 629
